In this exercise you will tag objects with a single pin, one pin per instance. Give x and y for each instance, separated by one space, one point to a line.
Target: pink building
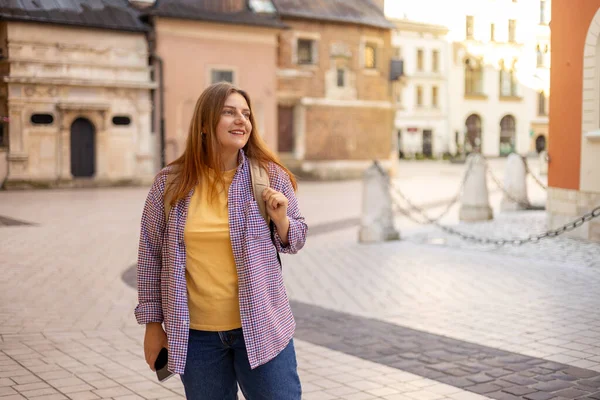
199 42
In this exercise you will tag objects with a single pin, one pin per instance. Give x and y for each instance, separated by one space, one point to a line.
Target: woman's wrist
284 224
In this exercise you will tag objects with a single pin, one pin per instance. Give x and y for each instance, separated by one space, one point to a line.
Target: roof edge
25 18
406 23
387 25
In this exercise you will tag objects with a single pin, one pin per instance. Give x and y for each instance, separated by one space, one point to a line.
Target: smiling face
234 127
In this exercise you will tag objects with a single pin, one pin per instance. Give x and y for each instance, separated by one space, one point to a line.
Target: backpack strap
260 181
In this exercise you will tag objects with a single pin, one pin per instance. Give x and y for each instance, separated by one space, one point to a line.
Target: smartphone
160 365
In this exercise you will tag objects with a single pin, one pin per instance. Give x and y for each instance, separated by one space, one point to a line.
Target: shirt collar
241 159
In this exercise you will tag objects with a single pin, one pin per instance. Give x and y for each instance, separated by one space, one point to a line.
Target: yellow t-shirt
211 274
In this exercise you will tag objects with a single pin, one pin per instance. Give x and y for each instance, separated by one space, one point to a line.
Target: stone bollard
475 203
377 220
543 162
515 184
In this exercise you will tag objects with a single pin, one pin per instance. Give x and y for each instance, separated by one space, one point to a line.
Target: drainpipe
155 59
161 96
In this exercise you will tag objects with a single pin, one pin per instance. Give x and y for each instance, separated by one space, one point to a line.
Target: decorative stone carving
340 49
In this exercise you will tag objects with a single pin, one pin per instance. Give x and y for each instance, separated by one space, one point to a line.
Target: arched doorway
507 135
540 143
83 148
473 137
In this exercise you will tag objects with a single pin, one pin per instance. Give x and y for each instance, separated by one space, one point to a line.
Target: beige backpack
260 181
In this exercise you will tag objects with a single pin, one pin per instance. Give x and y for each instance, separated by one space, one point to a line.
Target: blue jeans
218 361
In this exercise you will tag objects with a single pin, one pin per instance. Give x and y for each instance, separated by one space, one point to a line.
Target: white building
421 96
492 86
539 123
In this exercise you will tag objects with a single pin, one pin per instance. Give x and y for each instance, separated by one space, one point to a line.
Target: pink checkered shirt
267 320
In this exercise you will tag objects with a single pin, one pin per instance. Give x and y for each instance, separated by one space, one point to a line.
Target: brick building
335 109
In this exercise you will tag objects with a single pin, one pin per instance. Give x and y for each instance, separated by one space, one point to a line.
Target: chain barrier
535 178
449 206
594 213
512 198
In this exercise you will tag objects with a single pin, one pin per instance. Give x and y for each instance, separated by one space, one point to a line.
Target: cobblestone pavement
514 225
479 369
525 305
67 328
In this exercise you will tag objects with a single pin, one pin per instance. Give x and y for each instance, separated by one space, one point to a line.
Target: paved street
425 318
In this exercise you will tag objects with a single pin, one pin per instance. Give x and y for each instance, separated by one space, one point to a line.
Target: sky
420 10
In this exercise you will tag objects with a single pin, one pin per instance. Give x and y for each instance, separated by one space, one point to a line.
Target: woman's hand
154 340
277 207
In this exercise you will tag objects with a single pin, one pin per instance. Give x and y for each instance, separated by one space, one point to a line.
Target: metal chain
449 206
521 203
535 178
595 213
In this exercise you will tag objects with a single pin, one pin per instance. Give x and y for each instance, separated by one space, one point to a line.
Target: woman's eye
228 112
247 115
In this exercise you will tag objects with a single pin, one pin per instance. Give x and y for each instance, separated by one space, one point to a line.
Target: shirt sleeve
298 228
149 308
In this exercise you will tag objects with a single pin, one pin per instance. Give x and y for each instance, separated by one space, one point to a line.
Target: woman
210 271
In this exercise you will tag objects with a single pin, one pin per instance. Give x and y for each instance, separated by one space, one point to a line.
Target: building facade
334 96
421 95
539 122
574 145
492 83
75 95
200 42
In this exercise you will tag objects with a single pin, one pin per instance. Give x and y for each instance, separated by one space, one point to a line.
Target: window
540 56
262 6
512 30
370 56
121 120
434 96
470 27
341 77
507 135
493 32
508 81
221 75
419 60
306 51
542 103
398 91
473 136
42 119
543 12
419 96
435 61
473 77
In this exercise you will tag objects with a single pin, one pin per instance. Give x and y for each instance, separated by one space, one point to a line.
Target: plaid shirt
267 320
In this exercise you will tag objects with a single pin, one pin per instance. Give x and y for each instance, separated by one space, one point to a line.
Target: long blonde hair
202 149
